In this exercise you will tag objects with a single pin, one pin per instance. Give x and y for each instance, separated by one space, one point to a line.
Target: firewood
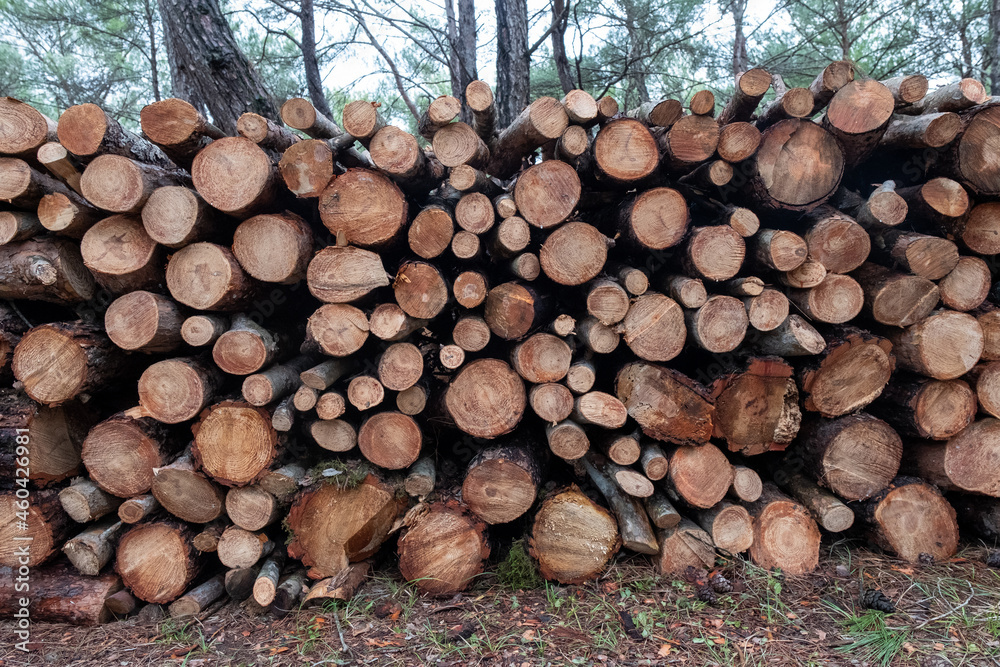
501 483
207 541
252 508
265 132
465 246
720 325
397 154
855 368
567 440
989 320
837 299
683 547
299 114
234 442
237 191
750 88
334 435
243 548
572 145
92 549
926 408
714 253
120 185
47 526
978 232
963 463
781 181
330 405
246 347
84 501
420 290
910 518
633 524
572 538
122 256
440 112
667 405
526 266
541 121
331 526
390 440
784 534
138 508
157 561
362 120
653 327
729 525
896 299
60 595
175 390
206 276
321 376
625 151
757 410
835 240
854 456
202 330
967 286
829 511
341 274
265 583
59 432
944 345
177 128
67 215
470 287
443 549
275 382
60 361
464 178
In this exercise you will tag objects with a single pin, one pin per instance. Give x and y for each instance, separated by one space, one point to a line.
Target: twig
972 594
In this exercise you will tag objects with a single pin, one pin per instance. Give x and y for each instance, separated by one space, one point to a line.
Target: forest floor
947 614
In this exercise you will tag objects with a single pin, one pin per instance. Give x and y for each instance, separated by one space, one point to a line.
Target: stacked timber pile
250 365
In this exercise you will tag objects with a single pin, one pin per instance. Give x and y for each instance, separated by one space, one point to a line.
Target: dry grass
629 617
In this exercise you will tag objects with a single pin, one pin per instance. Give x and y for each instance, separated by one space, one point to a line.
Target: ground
947 614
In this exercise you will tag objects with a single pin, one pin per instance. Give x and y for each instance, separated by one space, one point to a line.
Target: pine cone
993 559
872 598
706 594
925 558
720 584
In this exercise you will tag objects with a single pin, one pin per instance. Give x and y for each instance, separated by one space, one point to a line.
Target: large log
206 276
32 531
365 206
854 369
23 128
784 534
966 462
120 185
757 410
44 270
236 176
157 561
573 538
60 595
274 248
176 390
910 518
926 408
443 549
144 321
944 345
234 442
782 181
667 405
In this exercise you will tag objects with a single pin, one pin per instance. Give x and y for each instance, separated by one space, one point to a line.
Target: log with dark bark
683 547
60 595
910 518
44 528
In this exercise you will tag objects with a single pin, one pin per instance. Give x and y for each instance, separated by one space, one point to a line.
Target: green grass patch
518 571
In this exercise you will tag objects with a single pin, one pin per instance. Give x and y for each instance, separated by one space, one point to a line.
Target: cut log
23 187
177 127
729 526
420 290
966 462
84 501
246 348
274 248
779 249
945 345
654 327
967 286
956 96
512 310
275 382
320 377
397 153
60 595
331 526
808 274
121 452
474 213
926 256
738 142
307 167
252 508
341 274
443 549
471 333
207 540
157 561
767 310
206 276
926 408
542 358
470 287
457 144
932 130
501 483
661 512
690 141
655 114
834 76
747 485
784 534
330 405
368 208
420 478
197 600
910 519
54 157
334 435
18 226
122 256
365 392
633 524
598 338
896 299
793 338
854 370
757 410
547 193
66 214
120 185
390 440
599 409
907 89
336 329
667 405
176 390
242 548
828 510
985 377
265 132
53 435
623 448
201 330
854 456
700 475
60 361
23 128
858 116
92 549
683 547
145 322
791 103
389 322
234 442
47 527
236 176
573 539
625 151
299 114
265 584
688 292
836 241
138 508
798 166
510 237
720 325
542 121
750 88
567 440
837 299
574 254
980 232
87 131
714 253
656 219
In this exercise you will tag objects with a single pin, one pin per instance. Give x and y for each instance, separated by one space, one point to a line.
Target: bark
513 59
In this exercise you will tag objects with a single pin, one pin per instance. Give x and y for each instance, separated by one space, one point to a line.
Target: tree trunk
60 595
207 66
513 60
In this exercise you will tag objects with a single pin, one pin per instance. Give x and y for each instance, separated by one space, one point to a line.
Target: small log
720 325
747 485
808 274
854 370
956 96
397 153
700 475
654 327
729 526
157 561
330 405
793 338
238 192
246 347
265 586
457 144
196 600
573 539
344 586
542 358
512 310
910 518
145 322
207 541
84 501
656 114
265 132
67 215
661 512
780 181
88 131
24 128
362 120
186 493
471 333
621 448
854 456
234 442
829 511
18 226
321 376
138 508
930 257
420 478
784 534
470 287
689 142
177 127
431 231
779 249
980 231
767 310
239 582
738 142
837 299
834 76
967 286
92 549
389 322
243 548
633 524
307 167
501 483
54 157
858 115
176 390
443 549
896 299
567 440
547 193
274 248
420 290
688 292
907 89
390 440
275 382
836 241
683 547
750 88
412 401
714 253
336 329
201 330
334 435
60 595
932 130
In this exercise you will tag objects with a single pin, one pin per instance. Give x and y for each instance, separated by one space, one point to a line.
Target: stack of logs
241 366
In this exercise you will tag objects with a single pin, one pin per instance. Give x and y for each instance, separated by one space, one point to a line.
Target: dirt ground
947 614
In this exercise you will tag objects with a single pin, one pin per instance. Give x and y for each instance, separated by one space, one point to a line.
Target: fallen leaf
821 634
528 635
664 651
910 648
791 615
938 646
